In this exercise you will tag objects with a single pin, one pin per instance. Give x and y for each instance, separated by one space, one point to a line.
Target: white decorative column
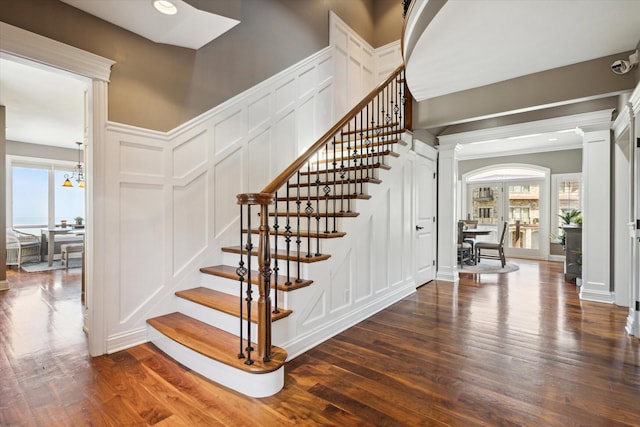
447 201
596 226
633 319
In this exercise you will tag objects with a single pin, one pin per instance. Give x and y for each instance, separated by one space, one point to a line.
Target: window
38 198
567 195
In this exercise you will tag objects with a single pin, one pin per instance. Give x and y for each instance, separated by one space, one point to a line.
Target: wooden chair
471 223
464 249
499 247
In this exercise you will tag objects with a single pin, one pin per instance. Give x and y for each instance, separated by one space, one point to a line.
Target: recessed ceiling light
165 7
553 139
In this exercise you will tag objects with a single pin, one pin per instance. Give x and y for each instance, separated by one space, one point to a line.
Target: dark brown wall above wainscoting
159 87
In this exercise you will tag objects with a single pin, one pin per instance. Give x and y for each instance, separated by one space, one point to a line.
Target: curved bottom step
210 352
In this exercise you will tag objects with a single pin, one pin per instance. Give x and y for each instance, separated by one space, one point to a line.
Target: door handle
418 227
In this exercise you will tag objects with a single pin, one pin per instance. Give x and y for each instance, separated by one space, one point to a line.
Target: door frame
21 45
545 208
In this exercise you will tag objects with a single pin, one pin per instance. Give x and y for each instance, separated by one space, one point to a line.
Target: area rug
38 267
489 267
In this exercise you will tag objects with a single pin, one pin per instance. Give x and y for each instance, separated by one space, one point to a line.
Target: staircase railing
321 183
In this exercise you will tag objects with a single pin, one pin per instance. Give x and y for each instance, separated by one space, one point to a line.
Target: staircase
223 329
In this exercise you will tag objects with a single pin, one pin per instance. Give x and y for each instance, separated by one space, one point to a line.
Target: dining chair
464 249
492 246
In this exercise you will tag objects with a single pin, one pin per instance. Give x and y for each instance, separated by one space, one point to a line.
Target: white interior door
425 249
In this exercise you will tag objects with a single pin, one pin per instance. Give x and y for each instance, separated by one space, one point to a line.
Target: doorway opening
515 194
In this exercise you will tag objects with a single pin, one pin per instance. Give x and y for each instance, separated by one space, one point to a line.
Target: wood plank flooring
517 349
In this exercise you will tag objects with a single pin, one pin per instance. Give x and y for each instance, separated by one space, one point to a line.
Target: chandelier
78 174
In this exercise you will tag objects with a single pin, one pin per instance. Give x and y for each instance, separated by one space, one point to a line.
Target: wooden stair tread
213 342
349 169
361 143
371 128
226 303
341 158
338 182
312 234
281 254
229 272
338 197
314 214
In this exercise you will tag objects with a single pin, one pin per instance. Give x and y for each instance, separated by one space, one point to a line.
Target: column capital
449 150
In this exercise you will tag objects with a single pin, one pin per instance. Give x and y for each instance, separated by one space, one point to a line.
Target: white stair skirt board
253 385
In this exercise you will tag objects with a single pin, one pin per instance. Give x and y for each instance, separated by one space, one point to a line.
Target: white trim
33 47
125 340
539 126
607 297
424 150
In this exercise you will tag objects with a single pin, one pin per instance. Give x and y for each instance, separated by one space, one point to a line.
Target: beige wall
160 87
565 161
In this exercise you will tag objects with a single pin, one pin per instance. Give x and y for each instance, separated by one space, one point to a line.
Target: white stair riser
233 259
254 385
220 320
338 189
229 286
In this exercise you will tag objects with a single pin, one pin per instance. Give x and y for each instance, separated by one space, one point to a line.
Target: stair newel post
276 269
264 284
241 271
264 275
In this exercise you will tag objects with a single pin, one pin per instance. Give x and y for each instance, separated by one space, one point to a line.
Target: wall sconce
78 174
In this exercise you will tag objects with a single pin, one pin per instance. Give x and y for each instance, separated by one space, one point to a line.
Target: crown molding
34 47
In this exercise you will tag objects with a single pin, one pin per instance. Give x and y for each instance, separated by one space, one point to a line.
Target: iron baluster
276 269
335 166
298 239
308 210
287 238
249 249
241 271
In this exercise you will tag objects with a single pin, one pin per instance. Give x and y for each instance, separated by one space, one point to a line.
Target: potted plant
79 220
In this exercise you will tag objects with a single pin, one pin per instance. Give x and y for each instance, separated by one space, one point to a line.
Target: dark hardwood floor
517 349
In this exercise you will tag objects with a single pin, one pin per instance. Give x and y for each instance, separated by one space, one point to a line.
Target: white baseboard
596 296
4 285
126 339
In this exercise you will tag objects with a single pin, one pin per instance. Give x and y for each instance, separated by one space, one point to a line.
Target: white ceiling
472 43
190 27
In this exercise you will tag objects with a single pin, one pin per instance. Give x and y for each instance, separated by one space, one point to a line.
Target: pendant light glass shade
78 174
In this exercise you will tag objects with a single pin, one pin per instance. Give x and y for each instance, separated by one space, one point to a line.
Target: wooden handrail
301 161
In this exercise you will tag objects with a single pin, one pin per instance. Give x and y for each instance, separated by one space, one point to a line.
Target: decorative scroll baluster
317 204
326 189
276 269
342 172
249 298
287 238
335 166
298 239
348 166
308 210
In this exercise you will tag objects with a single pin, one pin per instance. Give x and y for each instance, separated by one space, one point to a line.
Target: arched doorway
517 194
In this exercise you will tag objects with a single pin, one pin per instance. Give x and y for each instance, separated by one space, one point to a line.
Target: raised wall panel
318 309
324 103
396 226
228 131
260 160
190 217
227 185
364 285
259 112
139 159
284 142
307 81
381 241
285 97
141 246
305 122
340 287
190 155
325 70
